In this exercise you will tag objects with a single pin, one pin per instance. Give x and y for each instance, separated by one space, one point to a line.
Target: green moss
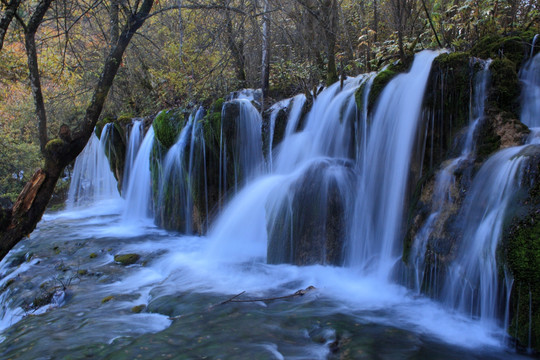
512 48
125 119
217 105
523 259
106 299
127 259
382 79
100 124
54 146
488 141
93 256
359 96
505 85
138 309
82 272
167 126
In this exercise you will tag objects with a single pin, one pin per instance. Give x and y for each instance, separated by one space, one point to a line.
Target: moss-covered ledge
520 255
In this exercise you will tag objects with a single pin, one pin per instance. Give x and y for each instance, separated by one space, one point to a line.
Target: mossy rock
54 148
448 89
513 48
125 119
520 252
167 125
138 309
127 259
106 299
505 88
306 225
115 150
382 79
523 258
359 96
101 124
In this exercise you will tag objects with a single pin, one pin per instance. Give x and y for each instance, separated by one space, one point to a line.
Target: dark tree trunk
330 23
33 69
237 51
35 84
33 200
5 20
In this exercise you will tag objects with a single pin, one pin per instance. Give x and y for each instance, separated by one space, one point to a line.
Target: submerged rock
127 259
307 224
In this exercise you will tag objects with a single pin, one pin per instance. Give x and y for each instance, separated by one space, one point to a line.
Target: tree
58 153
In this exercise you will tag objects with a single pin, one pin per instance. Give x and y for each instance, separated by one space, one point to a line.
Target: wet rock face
115 150
520 252
307 224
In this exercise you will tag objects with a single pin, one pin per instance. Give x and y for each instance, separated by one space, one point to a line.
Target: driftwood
234 299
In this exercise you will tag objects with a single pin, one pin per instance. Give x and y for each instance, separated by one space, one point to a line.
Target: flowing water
92 178
445 181
179 299
135 137
181 285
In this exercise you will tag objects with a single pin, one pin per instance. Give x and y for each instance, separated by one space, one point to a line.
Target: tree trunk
237 51
5 20
265 66
33 200
35 84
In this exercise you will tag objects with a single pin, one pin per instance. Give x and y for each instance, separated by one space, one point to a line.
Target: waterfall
444 191
382 185
530 94
241 144
319 154
274 111
173 200
298 103
135 137
139 190
472 285
92 178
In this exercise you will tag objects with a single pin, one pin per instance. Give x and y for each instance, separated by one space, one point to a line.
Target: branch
234 300
431 23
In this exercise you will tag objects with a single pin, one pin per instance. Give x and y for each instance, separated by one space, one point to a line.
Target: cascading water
240 144
274 111
135 138
335 193
322 147
173 200
472 281
382 184
139 190
298 103
444 191
92 178
530 95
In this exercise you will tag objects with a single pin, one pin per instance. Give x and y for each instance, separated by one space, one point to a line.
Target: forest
331 146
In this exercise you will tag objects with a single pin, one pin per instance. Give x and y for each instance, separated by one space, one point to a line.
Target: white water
530 96
275 109
92 179
173 178
231 259
382 184
247 155
445 179
139 189
135 137
472 282
298 103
